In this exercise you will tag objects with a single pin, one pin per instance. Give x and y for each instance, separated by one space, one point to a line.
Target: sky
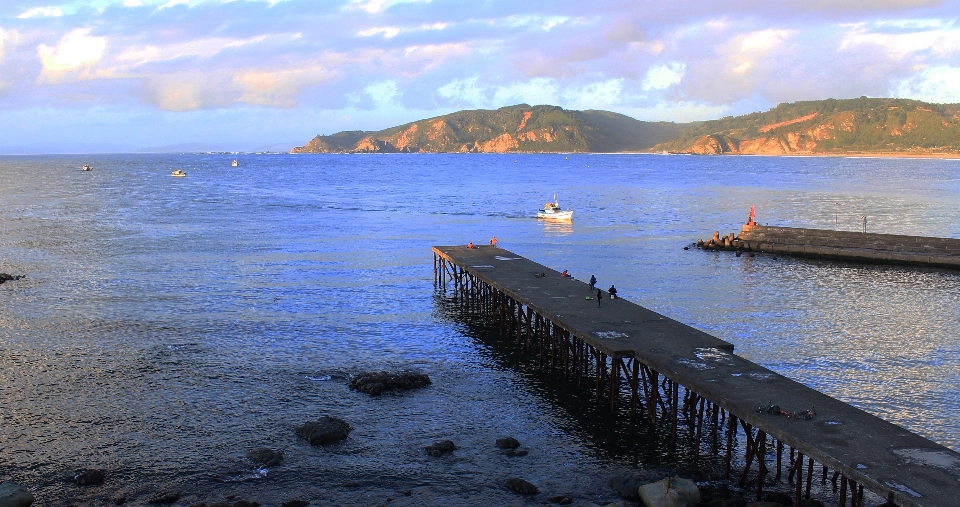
123 75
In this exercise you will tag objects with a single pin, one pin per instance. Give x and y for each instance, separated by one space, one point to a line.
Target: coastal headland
864 127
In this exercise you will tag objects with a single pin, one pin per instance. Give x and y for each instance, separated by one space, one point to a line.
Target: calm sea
166 326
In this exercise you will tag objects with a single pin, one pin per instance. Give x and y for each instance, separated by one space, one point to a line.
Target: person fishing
593 282
613 292
599 297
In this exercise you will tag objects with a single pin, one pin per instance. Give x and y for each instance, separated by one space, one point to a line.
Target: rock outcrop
323 431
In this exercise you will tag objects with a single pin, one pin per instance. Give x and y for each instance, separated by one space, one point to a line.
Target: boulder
375 383
561 499
508 443
440 447
266 457
521 486
779 497
87 476
626 486
14 495
164 497
670 492
325 430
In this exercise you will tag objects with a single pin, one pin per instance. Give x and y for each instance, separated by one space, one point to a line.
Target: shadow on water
628 437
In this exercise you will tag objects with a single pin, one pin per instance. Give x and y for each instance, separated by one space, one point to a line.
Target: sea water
166 326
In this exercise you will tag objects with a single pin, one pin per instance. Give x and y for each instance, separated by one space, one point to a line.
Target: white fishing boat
86 167
234 163
553 211
178 173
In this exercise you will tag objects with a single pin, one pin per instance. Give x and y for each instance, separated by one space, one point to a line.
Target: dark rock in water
120 500
810 502
266 457
8 277
295 503
14 495
325 430
438 448
508 443
164 497
627 487
521 486
515 453
561 499
686 248
378 382
88 476
245 503
778 497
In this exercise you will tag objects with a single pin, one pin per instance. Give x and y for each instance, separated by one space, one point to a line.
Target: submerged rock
14 495
440 447
164 497
88 476
295 503
375 383
266 457
626 486
669 492
521 486
8 277
325 430
508 443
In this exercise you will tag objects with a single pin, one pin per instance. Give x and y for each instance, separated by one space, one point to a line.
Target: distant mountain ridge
519 128
846 126
862 126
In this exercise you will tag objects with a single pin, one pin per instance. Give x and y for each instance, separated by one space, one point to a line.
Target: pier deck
863 449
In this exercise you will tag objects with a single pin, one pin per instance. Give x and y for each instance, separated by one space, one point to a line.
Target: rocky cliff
519 128
864 125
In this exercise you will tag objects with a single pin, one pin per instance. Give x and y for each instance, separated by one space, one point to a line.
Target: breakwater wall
642 364
843 245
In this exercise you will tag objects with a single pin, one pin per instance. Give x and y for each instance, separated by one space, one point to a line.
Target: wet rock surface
265 456
325 430
14 495
376 383
295 503
440 447
88 476
521 486
6 277
508 443
164 497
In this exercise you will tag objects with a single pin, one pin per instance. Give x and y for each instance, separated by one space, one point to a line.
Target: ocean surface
166 326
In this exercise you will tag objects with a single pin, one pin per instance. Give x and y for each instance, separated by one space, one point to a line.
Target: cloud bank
372 63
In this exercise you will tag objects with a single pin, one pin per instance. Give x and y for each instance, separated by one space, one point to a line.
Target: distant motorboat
234 163
178 174
86 167
553 211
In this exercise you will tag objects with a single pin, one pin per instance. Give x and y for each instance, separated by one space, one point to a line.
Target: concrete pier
853 246
637 360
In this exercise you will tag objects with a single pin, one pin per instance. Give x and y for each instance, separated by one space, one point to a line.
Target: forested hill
863 125
519 128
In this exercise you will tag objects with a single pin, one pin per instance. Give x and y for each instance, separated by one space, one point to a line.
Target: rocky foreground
651 488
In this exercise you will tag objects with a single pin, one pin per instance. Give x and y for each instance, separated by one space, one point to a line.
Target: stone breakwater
840 245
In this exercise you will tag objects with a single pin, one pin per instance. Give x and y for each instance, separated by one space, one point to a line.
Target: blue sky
89 75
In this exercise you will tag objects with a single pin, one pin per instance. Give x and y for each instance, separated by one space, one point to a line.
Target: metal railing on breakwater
627 353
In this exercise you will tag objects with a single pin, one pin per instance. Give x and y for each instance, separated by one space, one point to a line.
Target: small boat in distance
178 173
234 163
86 167
553 211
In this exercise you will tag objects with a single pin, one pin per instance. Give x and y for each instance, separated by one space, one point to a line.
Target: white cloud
203 48
602 95
535 91
77 52
278 88
942 41
464 90
935 84
387 31
384 94
661 77
7 37
375 6
42 12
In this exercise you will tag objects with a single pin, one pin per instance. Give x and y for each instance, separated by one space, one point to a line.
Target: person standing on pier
613 292
593 282
599 297
493 241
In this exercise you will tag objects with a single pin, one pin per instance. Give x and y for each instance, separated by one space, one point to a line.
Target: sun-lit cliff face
829 127
519 128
